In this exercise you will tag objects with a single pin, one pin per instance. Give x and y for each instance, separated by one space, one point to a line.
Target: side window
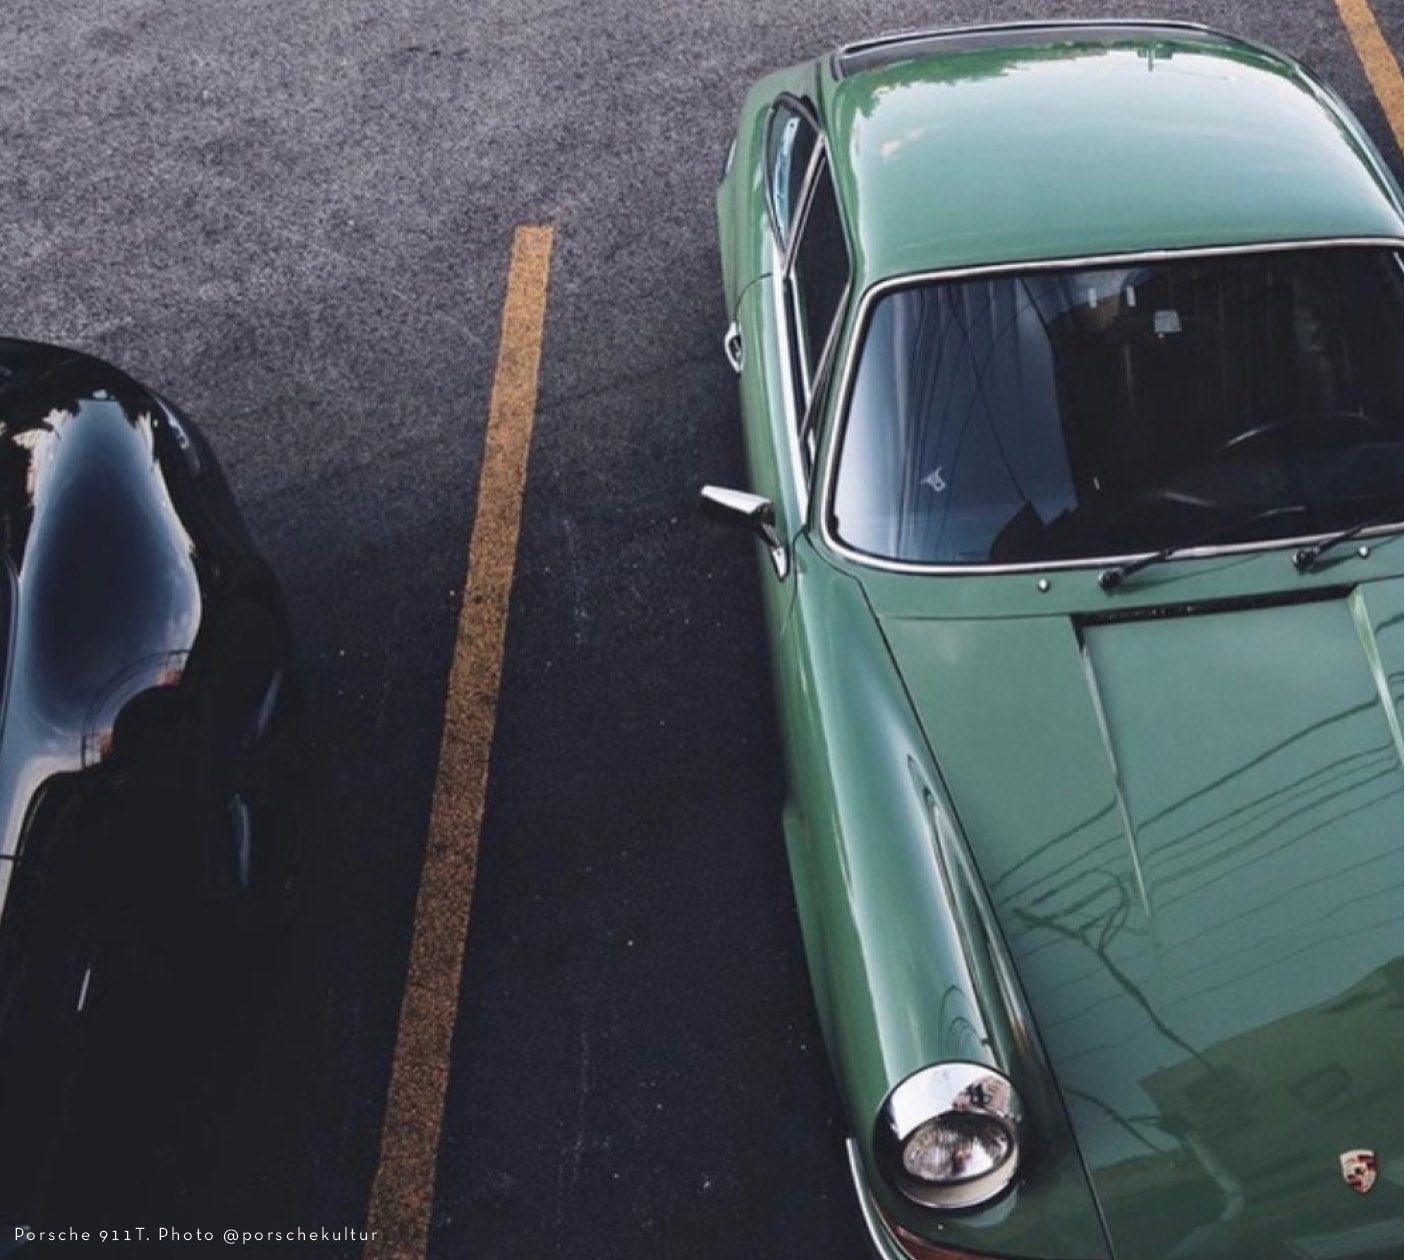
791 138
819 274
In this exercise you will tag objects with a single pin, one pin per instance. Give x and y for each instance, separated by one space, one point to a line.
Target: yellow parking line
1377 60
403 1191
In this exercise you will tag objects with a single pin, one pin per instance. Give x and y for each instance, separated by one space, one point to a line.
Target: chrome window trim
788 327
799 422
840 406
1050 566
820 165
792 417
819 157
812 421
790 299
801 109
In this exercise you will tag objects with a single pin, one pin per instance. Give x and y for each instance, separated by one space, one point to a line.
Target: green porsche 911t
1070 372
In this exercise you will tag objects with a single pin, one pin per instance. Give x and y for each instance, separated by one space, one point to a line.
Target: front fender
906 962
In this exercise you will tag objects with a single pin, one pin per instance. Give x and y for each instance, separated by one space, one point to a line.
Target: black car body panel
152 745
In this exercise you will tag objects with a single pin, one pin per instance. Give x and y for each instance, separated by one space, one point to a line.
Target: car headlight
948 1136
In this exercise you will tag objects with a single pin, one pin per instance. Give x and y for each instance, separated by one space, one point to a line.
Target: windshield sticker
934 480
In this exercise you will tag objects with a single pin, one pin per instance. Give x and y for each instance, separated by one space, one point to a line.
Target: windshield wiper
1305 558
1110 579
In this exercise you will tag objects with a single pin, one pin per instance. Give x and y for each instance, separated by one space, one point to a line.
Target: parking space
297 221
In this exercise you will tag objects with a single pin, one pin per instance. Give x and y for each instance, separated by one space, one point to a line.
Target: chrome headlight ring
948 1136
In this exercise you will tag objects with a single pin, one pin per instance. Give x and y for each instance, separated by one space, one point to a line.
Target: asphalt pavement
294 219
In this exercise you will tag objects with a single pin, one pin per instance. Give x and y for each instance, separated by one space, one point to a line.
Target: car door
786 324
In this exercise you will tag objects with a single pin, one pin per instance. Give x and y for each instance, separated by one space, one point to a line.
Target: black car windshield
1092 412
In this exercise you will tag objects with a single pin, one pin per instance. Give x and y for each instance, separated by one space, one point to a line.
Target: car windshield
1091 412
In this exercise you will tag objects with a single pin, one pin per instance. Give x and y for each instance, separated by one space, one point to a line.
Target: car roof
1034 142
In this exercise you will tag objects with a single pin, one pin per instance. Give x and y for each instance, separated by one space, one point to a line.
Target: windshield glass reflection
1091 412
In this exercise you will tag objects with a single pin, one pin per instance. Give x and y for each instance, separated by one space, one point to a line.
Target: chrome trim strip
819 157
810 422
821 167
1119 784
839 412
878 1236
1371 649
802 110
791 419
782 266
1049 566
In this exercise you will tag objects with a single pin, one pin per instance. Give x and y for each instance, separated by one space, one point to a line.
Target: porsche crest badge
1359 1170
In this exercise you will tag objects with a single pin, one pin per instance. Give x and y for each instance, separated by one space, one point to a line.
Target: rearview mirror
738 507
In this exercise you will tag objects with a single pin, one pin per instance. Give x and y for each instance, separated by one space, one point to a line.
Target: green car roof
1059 142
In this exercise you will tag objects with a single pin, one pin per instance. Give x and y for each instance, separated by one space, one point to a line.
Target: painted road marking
402 1194
1377 60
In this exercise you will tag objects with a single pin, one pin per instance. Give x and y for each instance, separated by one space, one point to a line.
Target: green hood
1190 829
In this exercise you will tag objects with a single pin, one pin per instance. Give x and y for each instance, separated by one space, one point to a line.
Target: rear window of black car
1089 412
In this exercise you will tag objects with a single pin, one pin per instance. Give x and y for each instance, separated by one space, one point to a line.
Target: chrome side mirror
737 507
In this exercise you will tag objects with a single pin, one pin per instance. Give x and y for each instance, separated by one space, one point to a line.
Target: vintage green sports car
1070 368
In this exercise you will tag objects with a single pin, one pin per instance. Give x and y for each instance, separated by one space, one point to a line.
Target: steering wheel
1281 426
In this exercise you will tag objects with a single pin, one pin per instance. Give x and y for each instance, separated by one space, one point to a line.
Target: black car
153 757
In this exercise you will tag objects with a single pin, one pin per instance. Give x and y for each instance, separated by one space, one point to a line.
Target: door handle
732 346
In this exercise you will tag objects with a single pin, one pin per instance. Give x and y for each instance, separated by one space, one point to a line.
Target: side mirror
737 507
